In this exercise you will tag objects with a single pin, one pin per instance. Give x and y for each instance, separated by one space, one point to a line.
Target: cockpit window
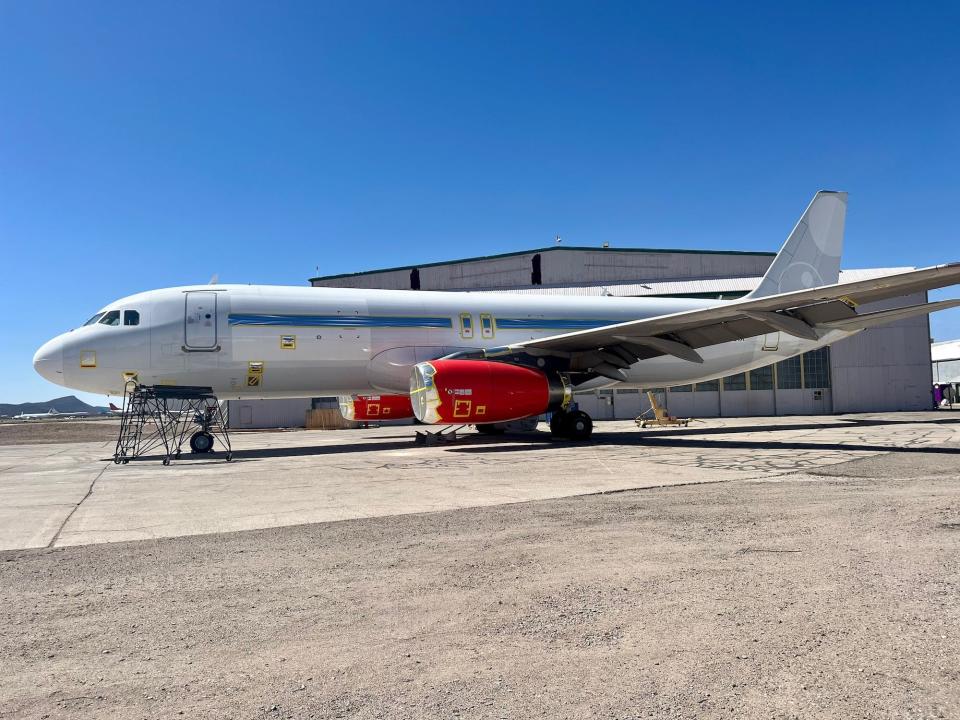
131 317
111 318
92 320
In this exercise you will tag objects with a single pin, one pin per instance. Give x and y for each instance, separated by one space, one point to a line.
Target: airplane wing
608 350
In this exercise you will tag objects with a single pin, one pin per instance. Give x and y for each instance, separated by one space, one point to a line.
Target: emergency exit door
200 321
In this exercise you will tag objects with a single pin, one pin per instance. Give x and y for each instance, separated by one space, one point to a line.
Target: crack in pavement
56 535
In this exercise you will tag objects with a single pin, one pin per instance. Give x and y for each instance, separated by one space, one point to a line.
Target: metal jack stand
447 435
161 416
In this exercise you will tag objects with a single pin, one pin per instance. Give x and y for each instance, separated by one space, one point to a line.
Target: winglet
811 255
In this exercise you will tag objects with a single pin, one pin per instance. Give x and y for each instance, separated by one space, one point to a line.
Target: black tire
578 426
558 423
201 442
490 429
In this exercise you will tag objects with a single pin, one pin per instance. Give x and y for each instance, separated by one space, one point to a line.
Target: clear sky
145 145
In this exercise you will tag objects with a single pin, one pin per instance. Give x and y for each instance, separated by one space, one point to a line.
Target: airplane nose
48 361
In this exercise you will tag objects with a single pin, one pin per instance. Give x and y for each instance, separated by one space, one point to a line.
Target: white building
945 357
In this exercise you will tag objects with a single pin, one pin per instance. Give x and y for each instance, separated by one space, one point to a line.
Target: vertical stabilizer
811 255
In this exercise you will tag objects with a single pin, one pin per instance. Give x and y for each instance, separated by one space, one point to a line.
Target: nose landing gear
201 442
575 425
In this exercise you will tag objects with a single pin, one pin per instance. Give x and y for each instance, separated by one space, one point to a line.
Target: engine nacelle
482 391
376 407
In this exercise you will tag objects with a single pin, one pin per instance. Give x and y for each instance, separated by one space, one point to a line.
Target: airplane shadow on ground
262 453
681 443
679 438
844 424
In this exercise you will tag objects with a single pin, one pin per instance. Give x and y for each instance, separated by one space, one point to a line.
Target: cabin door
200 321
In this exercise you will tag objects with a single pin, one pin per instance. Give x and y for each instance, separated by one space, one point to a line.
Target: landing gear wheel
578 426
229 456
557 421
201 442
490 429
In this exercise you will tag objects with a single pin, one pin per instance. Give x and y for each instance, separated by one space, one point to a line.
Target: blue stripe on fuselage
388 321
342 321
552 324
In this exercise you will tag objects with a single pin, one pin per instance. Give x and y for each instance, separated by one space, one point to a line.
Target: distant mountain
67 404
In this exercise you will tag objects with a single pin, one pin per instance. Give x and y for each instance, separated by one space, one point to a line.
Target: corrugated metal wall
268 413
885 368
563 265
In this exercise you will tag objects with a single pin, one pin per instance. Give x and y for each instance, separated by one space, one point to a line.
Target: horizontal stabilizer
882 317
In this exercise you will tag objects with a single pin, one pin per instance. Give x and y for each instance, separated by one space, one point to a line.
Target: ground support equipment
446 435
161 416
660 417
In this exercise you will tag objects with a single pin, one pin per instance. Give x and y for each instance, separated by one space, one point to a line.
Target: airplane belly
389 370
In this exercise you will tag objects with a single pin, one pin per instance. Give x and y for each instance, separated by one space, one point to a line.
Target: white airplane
473 357
51 413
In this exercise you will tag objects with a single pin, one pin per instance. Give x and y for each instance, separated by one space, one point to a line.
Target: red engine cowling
376 407
481 391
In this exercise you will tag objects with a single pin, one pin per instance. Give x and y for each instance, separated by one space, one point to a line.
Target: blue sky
148 145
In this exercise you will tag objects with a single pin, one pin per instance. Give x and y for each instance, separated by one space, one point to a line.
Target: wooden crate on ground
328 419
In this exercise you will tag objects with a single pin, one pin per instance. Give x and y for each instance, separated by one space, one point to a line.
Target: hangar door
200 321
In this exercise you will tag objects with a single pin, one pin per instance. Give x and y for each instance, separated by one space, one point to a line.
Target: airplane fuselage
275 342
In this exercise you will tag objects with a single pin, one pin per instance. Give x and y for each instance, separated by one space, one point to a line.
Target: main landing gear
575 425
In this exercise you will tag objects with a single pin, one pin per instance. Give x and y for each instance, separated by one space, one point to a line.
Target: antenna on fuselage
214 279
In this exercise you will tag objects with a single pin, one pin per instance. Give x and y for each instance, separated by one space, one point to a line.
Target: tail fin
811 255
114 408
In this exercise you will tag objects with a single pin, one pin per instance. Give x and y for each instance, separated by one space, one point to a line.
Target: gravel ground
42 432
828 596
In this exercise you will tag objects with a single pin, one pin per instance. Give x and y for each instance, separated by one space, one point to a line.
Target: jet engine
482 391
376 407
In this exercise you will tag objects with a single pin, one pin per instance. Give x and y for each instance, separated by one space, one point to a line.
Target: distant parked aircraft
51 413
480 358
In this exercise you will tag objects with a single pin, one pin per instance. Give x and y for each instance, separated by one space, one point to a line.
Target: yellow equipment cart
660 417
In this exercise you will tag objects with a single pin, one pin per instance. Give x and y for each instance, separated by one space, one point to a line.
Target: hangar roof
534 251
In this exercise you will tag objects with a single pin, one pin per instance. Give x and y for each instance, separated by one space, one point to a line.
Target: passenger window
487 328
94 319
111 318
131 317
466 326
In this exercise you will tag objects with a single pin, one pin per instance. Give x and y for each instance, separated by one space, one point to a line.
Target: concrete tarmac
62 494
820 580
